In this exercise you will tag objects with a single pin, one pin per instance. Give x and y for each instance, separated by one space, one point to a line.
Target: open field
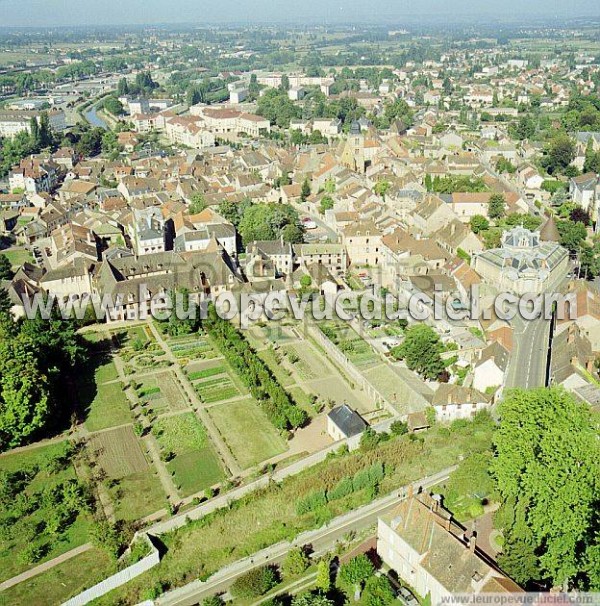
29 527
336 389
194 464
305 361
247 432
61 582
137 495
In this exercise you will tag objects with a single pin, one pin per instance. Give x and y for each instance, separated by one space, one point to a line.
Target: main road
321 540
529 357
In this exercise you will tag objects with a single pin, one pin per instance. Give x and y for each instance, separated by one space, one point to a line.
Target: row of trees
275 401
355 577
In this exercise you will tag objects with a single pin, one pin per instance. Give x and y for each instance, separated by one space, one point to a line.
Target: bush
32 554
311 502
343 488
254 583
295 563
399 428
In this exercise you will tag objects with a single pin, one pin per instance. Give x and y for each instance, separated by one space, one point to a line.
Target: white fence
118 579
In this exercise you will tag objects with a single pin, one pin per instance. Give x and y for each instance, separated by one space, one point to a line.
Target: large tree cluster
547 471
36 359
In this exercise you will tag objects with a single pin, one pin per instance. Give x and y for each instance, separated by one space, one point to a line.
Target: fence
118 579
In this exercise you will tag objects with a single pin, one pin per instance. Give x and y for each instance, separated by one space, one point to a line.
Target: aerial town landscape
297 311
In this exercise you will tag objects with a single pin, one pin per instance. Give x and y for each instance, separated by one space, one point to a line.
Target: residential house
431 553
490 370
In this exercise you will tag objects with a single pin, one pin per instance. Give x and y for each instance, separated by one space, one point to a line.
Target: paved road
322 540
527 367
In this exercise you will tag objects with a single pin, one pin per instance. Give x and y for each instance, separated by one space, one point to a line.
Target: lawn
273 359
137 495
350 343
28 528
101 395
195 465
247 432
305 361
61 582
18 257
269 516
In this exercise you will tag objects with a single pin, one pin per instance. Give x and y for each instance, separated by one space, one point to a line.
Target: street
527 367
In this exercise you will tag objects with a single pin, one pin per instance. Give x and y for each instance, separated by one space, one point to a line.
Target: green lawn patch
137 495
18 257
247 432
61 582
195 465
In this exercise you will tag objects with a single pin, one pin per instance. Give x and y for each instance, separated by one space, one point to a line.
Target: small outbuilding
343 422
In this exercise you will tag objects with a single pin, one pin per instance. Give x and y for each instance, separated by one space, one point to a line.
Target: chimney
453 229
473 542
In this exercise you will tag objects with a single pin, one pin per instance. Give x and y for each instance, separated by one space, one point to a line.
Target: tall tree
421 350
497 206
547 470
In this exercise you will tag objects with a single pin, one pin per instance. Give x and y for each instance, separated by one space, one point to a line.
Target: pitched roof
347 420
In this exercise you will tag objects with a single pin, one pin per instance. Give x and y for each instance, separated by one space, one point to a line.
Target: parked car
406 597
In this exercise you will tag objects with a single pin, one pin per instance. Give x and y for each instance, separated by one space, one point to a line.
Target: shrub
343 488
399 428
254 583
311 502
32 554
295 563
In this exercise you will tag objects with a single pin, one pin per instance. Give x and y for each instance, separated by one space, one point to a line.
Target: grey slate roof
349 421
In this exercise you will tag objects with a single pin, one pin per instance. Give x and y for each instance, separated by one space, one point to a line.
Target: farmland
202 547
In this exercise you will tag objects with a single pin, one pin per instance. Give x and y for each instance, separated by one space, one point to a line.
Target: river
94 119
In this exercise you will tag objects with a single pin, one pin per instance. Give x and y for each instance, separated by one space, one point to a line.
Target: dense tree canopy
547 471
421 350
36 356
269 222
